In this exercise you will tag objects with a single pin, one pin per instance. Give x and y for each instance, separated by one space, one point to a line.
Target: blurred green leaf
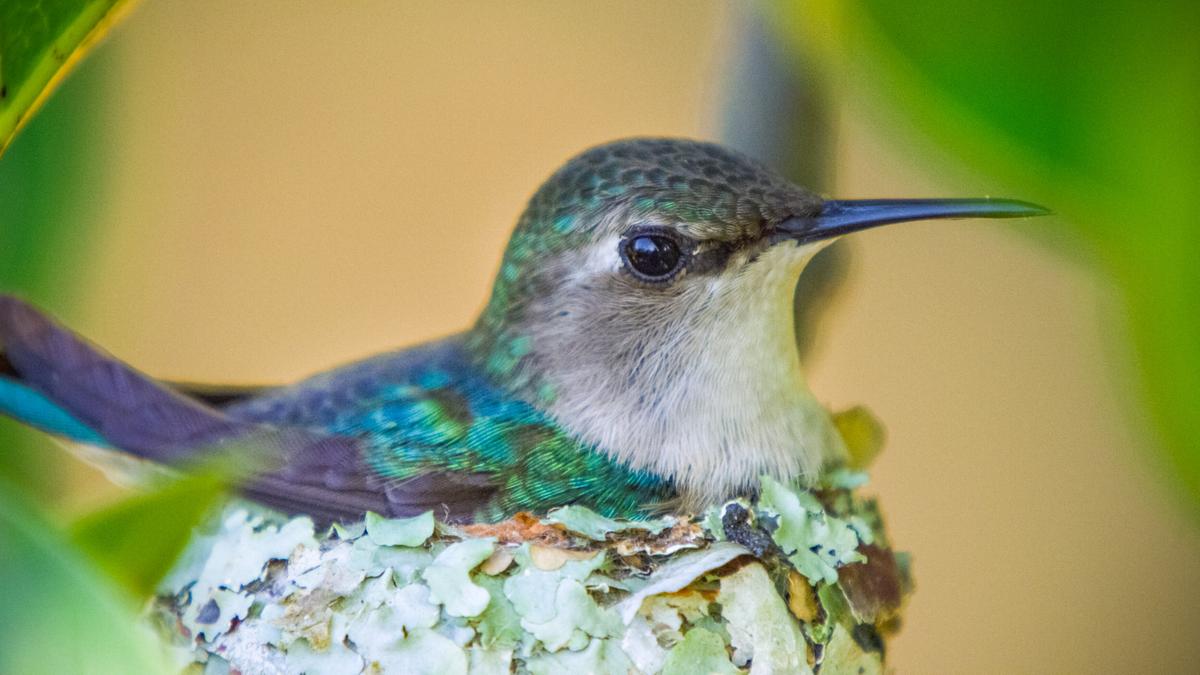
39 43
138 539
58 614
49 179
1090 108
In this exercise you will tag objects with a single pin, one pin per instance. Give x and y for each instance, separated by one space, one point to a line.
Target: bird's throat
709 394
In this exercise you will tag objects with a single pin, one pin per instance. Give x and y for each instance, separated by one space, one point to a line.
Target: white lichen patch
761 631
760 587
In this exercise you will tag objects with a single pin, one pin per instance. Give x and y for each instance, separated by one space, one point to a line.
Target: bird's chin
810 247
785 254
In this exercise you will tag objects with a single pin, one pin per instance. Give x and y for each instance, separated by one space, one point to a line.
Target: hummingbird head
645 303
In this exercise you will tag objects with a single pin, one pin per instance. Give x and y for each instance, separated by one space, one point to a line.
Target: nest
797 581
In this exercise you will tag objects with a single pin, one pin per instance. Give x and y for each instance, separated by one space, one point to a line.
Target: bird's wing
54 379
329 480
453 497
128 409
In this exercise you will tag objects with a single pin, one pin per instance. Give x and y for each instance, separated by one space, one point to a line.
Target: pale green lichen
852 658
816 543
597 528
641 645
406 563
404 610
761 631
411 596
575 614
485 661
701 651
527 589
448 577
420 651
499 624
399 531
599 657
220 608
336 659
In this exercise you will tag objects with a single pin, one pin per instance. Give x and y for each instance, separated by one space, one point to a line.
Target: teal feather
35 409
431 409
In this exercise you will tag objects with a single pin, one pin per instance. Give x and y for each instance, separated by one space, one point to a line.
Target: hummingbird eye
652 257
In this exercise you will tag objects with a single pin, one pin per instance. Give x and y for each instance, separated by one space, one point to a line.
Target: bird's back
426 418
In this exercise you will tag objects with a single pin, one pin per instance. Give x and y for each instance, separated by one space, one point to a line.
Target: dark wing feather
131 410
328 479
302 470
454 497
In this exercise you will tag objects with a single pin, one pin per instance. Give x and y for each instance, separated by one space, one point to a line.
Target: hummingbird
637 356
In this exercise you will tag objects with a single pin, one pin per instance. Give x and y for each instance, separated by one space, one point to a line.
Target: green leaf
39 43
58 614
1090 108
48 180
136 541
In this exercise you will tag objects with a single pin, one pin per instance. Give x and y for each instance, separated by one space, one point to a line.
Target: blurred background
251 192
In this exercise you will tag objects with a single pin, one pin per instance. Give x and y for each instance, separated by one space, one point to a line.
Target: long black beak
843 216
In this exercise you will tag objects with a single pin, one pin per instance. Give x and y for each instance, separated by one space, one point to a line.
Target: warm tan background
296 185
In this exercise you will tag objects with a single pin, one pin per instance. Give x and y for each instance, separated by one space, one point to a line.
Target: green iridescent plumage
429 409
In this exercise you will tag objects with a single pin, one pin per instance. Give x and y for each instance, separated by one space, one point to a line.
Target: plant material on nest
799 581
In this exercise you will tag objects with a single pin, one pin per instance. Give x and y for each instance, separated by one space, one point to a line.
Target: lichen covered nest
799 581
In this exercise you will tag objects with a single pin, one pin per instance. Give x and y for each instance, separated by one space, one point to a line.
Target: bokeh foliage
59 614
137 540
64 608
47 179
1090 108
39 43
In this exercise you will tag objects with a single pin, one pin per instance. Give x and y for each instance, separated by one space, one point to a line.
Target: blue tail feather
54 380
61 383
33 408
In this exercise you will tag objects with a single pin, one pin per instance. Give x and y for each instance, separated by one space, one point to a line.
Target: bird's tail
54 380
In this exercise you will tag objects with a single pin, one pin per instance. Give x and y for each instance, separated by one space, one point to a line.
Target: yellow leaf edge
51 70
